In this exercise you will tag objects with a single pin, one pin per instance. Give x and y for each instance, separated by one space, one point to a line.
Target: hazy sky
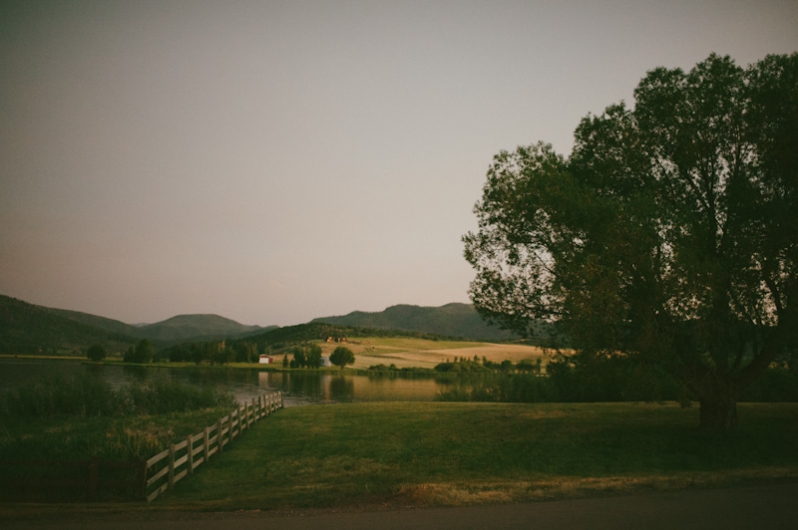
273 162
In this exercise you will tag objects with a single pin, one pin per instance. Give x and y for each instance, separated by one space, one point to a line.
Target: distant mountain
191 327
451 320
27 328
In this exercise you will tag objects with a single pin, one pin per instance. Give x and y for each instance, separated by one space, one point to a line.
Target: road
773 507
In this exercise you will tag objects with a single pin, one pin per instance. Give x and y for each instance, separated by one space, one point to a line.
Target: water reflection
298 387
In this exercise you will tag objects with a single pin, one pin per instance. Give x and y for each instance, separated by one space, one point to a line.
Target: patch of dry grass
407 352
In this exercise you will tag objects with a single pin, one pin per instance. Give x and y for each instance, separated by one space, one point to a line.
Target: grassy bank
456 453
73 418
128 438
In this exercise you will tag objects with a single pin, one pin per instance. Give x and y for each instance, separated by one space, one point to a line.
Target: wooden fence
56 480
166 468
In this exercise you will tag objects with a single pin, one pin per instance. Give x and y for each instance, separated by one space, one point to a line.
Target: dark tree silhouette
670 234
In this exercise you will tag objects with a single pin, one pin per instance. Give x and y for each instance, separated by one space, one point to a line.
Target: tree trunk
719 414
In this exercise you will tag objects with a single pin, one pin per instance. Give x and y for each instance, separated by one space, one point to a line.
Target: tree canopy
342 356
670 233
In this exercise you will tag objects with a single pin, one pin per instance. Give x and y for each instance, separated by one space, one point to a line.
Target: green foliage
302 334
95 353
130 437
669 235
342 356
213 352
313 355
463 366
300 360
142 353
87 395
26 328
451 320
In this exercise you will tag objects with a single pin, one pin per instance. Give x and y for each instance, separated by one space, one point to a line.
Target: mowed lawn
468 453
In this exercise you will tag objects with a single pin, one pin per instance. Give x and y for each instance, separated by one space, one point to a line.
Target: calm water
299 388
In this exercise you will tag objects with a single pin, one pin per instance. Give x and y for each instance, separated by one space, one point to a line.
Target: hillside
196 327
278 338
27 328
451 320
107 324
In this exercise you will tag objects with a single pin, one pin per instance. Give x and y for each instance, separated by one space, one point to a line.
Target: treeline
305 356
213 352
475 365
606 380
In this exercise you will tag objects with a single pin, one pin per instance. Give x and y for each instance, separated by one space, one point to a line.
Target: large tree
670 234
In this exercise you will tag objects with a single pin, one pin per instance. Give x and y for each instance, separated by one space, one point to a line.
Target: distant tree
342 356
313 355
285 361
299 356
144 351
95 353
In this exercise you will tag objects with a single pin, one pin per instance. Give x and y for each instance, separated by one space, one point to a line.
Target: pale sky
273 162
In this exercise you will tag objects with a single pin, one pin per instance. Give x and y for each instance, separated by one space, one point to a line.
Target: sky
278 161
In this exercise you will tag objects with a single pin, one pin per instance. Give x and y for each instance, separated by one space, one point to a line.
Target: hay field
407 352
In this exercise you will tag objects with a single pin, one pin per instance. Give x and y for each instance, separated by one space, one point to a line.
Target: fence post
171 466
252 412
238 408
142 476
230 427
205 444
91 486
219 443
190 453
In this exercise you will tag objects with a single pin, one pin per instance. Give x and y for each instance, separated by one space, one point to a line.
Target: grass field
454 453
407 352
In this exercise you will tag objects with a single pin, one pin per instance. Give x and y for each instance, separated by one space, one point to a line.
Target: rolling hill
451 320
196 327
27 328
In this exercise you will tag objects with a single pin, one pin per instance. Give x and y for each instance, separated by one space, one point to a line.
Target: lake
299 388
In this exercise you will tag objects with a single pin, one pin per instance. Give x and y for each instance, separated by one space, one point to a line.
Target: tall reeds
86 396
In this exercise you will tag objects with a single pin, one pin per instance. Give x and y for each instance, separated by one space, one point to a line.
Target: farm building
266 359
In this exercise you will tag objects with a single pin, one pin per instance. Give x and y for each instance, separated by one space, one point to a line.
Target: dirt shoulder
761 506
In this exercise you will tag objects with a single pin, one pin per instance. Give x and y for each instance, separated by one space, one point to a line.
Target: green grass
465 453
113 438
